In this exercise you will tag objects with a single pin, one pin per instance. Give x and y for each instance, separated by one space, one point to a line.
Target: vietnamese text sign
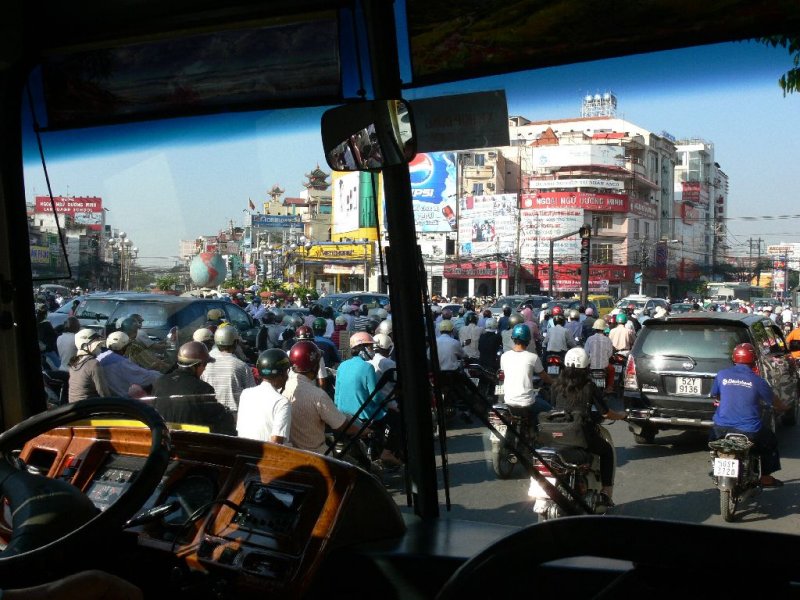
488 224
275 221
538 227
547 184
84 210
582 200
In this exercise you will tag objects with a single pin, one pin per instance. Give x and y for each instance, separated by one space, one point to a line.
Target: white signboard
552 184
539 226
783 249
488 224
578 155
346 202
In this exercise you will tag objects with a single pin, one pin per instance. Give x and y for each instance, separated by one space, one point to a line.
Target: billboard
353 205
84 210
545 157
488 224
575 200
275 221
547 184
538 227
433 191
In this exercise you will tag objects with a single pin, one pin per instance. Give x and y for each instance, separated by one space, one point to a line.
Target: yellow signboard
340 251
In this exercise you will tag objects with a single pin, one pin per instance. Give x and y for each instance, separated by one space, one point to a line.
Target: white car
643 303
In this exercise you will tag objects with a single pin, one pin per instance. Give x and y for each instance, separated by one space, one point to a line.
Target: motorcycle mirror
368 136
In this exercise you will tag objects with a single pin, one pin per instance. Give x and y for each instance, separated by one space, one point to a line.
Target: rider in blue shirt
741 393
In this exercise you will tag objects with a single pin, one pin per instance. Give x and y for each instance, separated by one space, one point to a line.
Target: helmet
215 314
372 326
360 338
766 308
574 315
305 356
340 320
297 321
471 317
446 326
203 335
491 324
130 326
744 354
273 362
506 309
304 332
622 318
576 358
589 311
85 336
226 336
515 319
447 313
599 324
268 318
385 327
381 313
557 310
193 353
319 324
117 341
521 333
138 317
559 320
383 341
256 300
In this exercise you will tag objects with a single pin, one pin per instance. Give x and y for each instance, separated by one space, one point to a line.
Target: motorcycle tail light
756 371
553 360
501 377
631 382
543 469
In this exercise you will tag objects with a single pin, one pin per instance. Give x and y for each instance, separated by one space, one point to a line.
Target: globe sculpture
207 269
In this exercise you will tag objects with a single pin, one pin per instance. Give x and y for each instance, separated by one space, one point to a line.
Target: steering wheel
53 522
667 558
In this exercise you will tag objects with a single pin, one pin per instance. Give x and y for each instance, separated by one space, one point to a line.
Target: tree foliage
789 81
167 283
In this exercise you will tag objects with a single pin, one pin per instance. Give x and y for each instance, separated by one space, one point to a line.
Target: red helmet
304 332
557 310
304 356
744 354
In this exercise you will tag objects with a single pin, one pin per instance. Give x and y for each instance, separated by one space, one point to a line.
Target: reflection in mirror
368 136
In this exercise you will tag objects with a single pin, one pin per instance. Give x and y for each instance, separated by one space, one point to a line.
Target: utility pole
758 264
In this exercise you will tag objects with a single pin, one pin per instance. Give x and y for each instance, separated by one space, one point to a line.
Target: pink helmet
360 338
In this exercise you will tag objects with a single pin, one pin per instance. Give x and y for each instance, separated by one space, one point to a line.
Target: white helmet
340 320
85 336
203 334
576 357
385 327
117 340
226 336
383 341
490 324
381 314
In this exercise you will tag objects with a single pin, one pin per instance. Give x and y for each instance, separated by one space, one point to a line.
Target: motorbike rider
503 323
228 375
120 372
519 365
740 393
575 392
600 349
138 352
574 326
621 337
559 339
513 321
448 348
264 413
86 377
469 335
490 346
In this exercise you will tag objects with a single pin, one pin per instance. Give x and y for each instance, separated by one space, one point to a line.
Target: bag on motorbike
562 428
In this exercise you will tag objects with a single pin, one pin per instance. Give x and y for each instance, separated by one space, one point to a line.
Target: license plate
552 370
535 490
475 380
689 386
617 369
501 429
498 389
601 383
726 467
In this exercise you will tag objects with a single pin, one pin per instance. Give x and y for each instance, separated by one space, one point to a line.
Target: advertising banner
643 209
339 251
276 221
488 224
40 255
538 227
353 205
578 155
582 200
433 191
83 210
694 191
475 270
546 184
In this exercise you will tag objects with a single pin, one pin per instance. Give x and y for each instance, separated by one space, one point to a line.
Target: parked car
163 312
674 361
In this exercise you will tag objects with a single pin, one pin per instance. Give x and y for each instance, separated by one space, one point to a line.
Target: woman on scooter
575 392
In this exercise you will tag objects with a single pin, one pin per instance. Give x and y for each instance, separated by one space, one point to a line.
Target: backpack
561 427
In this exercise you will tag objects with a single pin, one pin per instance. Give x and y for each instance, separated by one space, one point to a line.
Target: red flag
252 206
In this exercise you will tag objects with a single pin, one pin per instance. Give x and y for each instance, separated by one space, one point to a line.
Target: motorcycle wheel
727 505
647 436
503 468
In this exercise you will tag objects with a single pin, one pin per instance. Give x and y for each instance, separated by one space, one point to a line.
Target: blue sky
178 179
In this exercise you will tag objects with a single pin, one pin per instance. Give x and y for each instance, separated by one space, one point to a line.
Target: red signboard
83 210
689 214
475 270
582 200
694 191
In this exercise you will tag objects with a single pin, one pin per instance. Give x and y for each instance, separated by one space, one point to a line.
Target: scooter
736 473
568 466
618 361
554 364
516 435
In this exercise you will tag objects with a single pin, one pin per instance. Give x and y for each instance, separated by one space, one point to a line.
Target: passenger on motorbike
574 392
490 346
600 349
519 365
513 321
740 394
559 339
574 327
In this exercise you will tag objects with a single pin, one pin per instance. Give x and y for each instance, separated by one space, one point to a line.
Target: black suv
673 363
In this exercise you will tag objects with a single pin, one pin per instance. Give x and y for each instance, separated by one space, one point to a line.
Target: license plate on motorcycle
726 467
687 386
617 369
501 429
498 389
552 370
599 382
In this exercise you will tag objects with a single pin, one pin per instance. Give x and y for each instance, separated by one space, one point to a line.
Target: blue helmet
521 333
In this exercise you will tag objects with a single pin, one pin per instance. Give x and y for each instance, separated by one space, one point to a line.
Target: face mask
367 353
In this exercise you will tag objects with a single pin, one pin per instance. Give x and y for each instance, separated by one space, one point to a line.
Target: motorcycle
554 364
598 377
56 387
516 435
484 379
618 361
568 466
736 473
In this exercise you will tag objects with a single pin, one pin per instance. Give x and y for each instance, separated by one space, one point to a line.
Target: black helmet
194 353
319 325
471 317
506 310
272 362
372 326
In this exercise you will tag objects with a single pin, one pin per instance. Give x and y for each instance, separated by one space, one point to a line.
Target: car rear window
701 340
153 313
96 308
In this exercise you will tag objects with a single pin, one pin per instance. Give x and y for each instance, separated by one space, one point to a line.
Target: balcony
479 172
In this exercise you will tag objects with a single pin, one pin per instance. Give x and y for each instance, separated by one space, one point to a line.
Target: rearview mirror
368 136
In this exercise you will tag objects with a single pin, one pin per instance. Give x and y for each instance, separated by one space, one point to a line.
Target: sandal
604 499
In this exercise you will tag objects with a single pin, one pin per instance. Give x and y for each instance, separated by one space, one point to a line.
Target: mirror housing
368 136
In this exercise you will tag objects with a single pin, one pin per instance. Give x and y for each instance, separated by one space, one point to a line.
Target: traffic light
585 233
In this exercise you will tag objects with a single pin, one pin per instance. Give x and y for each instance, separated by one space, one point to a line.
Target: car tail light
631 382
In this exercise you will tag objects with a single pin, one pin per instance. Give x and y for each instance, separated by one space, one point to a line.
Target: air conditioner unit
491 154
489 186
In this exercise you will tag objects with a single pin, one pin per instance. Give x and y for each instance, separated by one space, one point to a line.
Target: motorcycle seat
574 455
